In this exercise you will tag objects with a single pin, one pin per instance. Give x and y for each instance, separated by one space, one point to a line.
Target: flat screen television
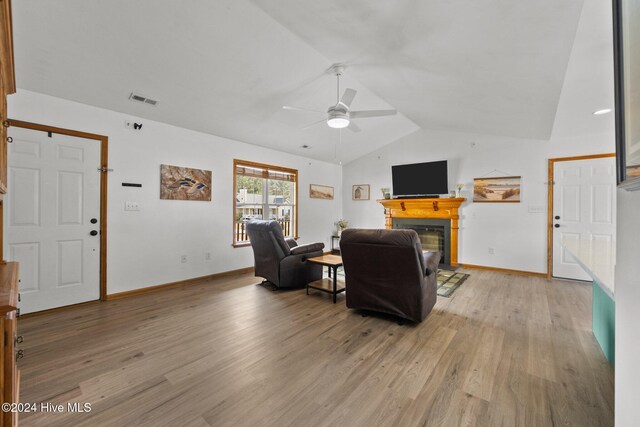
420 179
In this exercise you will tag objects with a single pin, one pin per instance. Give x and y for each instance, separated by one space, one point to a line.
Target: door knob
94 220
557 216
93 233
557 225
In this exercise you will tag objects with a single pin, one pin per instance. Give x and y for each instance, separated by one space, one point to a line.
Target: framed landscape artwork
179 183
320 192
360 192
501 189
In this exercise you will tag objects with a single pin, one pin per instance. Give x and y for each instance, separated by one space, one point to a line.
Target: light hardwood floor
503 351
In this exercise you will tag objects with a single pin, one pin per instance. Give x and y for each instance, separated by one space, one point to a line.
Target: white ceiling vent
139 98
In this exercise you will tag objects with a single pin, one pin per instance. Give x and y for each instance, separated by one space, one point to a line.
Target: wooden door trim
104 146
550 183
8 73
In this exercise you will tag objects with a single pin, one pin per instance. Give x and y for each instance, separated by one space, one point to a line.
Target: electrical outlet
207 256
183 259
131 206
491 251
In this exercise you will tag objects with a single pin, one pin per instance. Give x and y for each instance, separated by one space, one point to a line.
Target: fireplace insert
435 234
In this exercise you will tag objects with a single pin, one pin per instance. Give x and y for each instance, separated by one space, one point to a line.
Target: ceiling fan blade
347 97
315 123
353 127
288 107
371 113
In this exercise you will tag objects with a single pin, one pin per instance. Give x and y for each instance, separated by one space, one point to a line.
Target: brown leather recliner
387 271
281 261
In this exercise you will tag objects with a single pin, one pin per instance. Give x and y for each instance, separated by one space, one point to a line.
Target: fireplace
435 234
435 220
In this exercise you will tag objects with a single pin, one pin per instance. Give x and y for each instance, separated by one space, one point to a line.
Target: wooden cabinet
9 375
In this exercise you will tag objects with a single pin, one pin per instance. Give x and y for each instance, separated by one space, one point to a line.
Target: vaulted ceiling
227 67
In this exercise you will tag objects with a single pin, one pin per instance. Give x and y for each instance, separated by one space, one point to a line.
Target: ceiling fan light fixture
338 119
338 122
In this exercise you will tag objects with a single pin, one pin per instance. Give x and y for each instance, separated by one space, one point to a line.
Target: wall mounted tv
420 179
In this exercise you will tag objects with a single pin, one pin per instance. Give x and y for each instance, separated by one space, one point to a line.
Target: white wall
627 314
519 238
516 236
144 248
627 372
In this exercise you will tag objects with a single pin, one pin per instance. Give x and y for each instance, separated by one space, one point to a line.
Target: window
264 192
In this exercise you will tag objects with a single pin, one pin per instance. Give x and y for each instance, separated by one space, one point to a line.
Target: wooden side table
329 285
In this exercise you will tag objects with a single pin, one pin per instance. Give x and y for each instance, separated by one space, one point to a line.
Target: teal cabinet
604 321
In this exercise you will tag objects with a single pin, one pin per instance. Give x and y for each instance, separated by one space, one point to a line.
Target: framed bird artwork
180 183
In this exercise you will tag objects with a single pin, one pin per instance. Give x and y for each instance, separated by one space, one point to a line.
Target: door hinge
104 169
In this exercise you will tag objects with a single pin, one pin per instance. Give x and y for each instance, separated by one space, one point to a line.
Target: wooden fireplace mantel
445 208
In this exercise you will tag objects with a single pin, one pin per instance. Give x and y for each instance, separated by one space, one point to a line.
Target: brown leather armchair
387 271
281 261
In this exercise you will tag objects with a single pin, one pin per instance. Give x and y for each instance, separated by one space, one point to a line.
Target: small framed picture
360 192
320 192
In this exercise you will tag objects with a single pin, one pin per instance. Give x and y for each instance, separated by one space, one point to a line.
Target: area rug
449 281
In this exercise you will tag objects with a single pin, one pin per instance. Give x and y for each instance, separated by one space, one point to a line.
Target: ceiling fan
340 116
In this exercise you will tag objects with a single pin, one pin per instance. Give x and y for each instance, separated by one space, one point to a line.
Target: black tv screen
420 179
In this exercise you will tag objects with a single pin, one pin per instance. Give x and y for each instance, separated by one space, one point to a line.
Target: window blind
255 172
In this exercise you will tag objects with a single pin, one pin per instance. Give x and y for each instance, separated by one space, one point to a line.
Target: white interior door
51 208
584 208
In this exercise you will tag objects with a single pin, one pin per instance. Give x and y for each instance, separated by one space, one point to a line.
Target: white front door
51 207
584 208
